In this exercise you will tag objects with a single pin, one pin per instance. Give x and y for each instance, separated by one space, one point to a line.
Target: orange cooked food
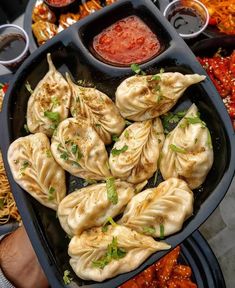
222 14
166 273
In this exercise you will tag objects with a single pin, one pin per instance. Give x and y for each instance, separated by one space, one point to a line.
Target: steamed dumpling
140 98
135 155
36 171
127 249
90 206
49 102
99 109
187 152
79 150
169 205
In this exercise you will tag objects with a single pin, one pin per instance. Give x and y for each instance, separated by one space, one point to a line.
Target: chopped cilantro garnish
113 253
24 166
26 128
53 116
127 122
155 178
209 141
162 70
67 279
126 134
115 138
74 148
54 101
149 230
97 125
108 221
195 120
64 156
156 78
162 231
48 153
136 69
51 192
177 149
28 87
171 118
111 190
116 152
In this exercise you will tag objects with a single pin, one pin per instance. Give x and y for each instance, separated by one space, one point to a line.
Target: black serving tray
70 52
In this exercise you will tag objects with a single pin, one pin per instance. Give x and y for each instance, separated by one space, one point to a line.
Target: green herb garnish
48 153
24 166
67 279
64 156
108 221
116 152
155 178
54 101
171 118
195 120
53 116
209 141
89 182
127 122
126 134
51 192
162 231
177 149
26 128
111 190
137 70
113 253
97 125
149 230
155 78
28 87
115 138
74 148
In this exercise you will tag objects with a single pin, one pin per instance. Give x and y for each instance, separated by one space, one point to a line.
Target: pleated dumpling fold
49 102
36 171
134 157
98 108
79 150
160 211
187 152
140 98
97 255
90 206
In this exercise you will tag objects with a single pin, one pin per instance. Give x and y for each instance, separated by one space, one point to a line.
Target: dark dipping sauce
186 20
127 41
11 46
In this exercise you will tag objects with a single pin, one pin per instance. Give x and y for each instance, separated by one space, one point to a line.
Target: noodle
8 209
223 13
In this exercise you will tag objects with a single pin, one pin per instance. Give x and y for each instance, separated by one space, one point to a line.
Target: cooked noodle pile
8 209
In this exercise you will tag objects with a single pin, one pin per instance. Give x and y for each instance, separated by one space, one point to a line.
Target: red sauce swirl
127 41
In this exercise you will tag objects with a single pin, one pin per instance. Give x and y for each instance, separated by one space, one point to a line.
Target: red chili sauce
127 41
59 3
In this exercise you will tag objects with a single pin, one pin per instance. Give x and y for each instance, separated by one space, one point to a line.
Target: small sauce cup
188 17
14 46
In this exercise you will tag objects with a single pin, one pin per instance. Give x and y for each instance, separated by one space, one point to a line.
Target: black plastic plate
70 52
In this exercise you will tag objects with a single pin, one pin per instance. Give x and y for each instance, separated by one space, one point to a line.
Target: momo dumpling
134 156
97 255
98 108
79 150
140 98
36 171
187 152
91 206
49 102
168 205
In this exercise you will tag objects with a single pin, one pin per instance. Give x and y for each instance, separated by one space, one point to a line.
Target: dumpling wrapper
79 150
51 96
140 98
36 171
195 158
169 204
92 245
89 207
98 108
143 142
